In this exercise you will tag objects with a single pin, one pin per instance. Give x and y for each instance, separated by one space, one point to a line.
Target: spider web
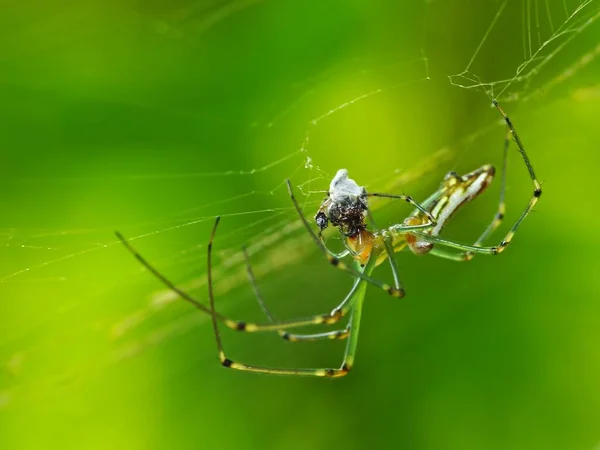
75 264
547 29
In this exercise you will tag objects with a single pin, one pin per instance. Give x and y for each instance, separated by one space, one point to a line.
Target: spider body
346 208
455 191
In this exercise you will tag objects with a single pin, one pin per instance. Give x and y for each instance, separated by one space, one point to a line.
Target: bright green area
110 113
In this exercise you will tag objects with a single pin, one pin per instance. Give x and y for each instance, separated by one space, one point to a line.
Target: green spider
346 208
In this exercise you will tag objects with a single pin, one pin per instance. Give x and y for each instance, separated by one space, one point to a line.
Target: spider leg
408 199
456 245
339 255
499 216
346 305
394 230
325 372
320 319
452 255
469 250
389 250
537 188
496 221
343 308
429 202
331 335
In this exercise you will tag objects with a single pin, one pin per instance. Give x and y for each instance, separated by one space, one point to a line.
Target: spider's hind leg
537 187
501 211
467 251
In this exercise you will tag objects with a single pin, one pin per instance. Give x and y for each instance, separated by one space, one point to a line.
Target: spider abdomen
455 192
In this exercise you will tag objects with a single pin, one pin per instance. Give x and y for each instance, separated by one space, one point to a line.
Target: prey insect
347 209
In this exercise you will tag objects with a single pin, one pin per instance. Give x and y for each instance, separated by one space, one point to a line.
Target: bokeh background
153 117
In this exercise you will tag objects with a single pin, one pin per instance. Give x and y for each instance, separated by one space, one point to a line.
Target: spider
346 208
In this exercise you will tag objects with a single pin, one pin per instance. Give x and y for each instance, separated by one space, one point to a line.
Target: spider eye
321 220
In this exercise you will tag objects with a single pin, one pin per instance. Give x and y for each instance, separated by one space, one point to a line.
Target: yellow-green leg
537 187
496 221
501 211
320 319
408 199
389 248
330 335
469 250
342 309
349 355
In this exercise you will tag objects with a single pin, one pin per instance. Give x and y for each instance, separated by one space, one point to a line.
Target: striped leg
496 221
408 199
499 216
341 334
331 335
469 250
346 305
389 249
320 319
537 187
325 372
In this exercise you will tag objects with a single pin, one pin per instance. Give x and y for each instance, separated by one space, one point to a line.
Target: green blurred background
153 117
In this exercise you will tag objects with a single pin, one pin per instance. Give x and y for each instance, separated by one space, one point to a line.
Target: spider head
345 206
